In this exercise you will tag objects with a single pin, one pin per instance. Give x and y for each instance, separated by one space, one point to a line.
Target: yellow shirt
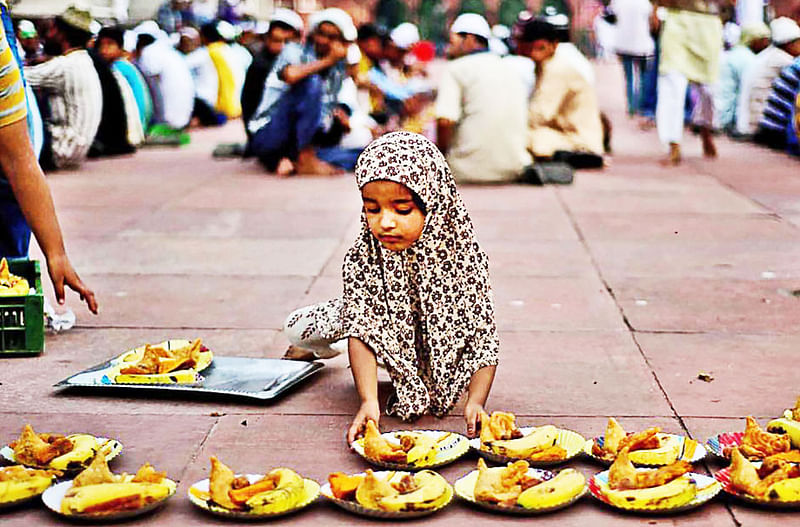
13 107
227 97
563 113
691 43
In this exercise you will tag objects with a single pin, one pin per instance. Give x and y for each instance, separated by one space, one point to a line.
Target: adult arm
444 134
20 166
447 108
294 73
477 393
365 375
48 75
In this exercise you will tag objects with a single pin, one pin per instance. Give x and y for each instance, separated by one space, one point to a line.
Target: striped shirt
780 103
13 107
76 103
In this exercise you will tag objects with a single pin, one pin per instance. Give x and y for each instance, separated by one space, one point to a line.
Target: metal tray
260 379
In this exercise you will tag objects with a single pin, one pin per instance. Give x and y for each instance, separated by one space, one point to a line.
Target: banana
19 490
786 425
785 490
666 454
433 492
540 438
289 491
423 452
677 492
83 450
562 488
114 496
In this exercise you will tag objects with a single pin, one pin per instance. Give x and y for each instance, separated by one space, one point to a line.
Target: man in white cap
765 68
74 96
299 120
284 26
735 63
480 118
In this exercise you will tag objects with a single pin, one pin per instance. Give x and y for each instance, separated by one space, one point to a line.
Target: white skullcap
784 30
149 27
731 34
498 47
338 18
288 17
261 27
129 40
353 54
500 31
472 23
405 35
226 30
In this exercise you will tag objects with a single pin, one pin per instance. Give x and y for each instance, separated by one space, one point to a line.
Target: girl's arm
365 375
477 393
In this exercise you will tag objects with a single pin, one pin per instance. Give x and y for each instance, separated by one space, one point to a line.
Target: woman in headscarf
417 296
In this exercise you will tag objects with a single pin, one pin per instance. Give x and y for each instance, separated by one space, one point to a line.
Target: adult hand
472 416
369 410
338 50
61 274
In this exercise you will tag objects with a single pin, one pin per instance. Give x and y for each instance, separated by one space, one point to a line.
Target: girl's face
394 218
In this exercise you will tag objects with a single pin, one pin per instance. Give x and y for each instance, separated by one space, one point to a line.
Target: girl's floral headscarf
427 311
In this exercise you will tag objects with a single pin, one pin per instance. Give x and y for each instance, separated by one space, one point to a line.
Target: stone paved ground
612 294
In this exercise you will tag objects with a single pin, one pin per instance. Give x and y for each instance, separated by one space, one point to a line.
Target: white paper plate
111 447
707 489
685 452
570 441
20 501
53 496
724 477
465 489
311 490
451 446
354 507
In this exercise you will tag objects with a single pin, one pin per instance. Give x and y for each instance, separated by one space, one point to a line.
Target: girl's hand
368 410
472 414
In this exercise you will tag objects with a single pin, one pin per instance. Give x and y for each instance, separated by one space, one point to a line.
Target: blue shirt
729 86
292 55
141 92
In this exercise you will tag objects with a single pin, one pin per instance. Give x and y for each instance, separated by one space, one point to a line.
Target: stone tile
745 260
169 255
695 304
538 258
99 222
522 226
768 360
528 200
671 227
580 303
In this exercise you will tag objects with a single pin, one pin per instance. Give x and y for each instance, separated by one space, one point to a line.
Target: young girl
416 291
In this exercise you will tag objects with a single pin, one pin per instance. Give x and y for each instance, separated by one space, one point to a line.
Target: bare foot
709 148
295 353
674 157
285 167
309 164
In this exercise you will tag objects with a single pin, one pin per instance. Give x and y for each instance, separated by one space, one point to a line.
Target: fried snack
500 426
160 360
147 474
623 476
20 473
220 483
759 444
744 476
377 447
502 485
31 449
613 436
372 490
796 410
756 482
344 486
553 453
95 474
646 440
11 285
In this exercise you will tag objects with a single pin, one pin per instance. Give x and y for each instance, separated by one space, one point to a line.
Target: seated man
564 120
284 26
299 118
204 74
767 65
72 98
479 108
776 121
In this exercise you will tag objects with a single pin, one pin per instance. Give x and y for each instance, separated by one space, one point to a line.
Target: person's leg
669 112
315 331
15 234
703 118
344 158
627 68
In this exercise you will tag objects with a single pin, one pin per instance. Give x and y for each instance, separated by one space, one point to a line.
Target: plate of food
279 492
389 494
668 489
519 489
789 424
11 284
409 449
772 483
502 441
98 494
69 454
19 484
176 361
648 448
754 443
